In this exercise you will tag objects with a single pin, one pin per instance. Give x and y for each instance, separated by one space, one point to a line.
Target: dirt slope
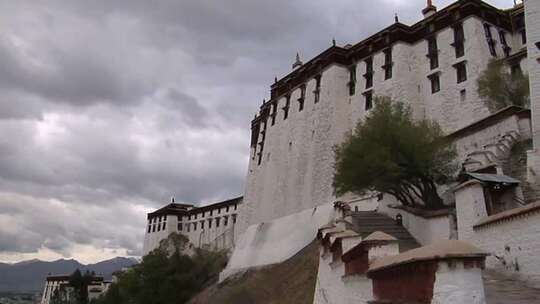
290 282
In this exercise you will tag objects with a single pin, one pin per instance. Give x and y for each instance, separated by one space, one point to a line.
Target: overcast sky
110 108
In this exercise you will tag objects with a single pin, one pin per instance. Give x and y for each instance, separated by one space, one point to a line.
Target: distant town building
61 284
208 226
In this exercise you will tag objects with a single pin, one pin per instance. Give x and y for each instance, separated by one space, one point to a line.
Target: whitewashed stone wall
333 288
297 163
208 234
211 234
275 241
424 230
514 243
458 284
152 238
491 135
532 19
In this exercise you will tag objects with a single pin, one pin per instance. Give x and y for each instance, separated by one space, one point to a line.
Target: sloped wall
275 241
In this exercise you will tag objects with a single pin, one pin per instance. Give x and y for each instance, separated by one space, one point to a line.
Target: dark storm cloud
109 108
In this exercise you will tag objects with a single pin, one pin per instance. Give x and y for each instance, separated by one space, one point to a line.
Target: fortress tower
432 65
532 16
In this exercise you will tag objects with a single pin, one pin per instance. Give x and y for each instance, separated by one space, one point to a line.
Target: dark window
159 227
317 91
194 226
154 228
516 69
274 112
369 72
504 43
235 206
219 210
489 39
210 223
226 221
202 224
435 83
387 64
352 80
286 107
217 222
459 40
523 36
234 219
461 71
211 211
433 53
180 227
164 225
368 96
302 98
227 209
149 228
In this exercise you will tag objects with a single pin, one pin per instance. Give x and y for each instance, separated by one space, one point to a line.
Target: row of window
158 219
461 76
157 227
210 221
211 212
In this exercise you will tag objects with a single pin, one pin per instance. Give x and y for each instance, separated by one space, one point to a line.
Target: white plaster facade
458 284
211 226
275 241
424 230
53 283
532 19
295 168
513 241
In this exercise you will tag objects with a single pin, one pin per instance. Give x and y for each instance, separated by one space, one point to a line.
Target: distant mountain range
29 276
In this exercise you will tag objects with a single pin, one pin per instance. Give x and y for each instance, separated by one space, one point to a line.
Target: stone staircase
367 222
492 154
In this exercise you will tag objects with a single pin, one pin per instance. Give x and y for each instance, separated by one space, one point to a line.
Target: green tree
390 153
166 278
498 87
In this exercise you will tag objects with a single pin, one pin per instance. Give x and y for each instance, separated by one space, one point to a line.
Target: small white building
211 226
60 284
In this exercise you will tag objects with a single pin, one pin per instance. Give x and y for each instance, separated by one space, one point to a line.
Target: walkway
501 289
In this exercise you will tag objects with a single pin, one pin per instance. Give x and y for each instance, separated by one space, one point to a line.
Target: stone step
367 222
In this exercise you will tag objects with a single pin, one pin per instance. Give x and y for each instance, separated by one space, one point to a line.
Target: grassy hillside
292 281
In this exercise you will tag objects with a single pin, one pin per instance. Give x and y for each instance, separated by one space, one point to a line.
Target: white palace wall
275 241
296 168
512 237
152 238
532 18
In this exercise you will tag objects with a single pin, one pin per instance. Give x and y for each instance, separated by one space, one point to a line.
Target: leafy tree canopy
164 278
499 87
390 153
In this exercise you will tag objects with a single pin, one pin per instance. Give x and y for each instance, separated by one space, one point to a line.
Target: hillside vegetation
167 278
290 282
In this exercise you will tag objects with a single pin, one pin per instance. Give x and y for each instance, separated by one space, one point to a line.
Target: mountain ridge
29 276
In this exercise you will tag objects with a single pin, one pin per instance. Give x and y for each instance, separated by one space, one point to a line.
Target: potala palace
373 249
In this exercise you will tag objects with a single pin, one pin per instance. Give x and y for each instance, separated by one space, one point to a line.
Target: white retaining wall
333 288
514 243
532 19
457 284
275 241
424 230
